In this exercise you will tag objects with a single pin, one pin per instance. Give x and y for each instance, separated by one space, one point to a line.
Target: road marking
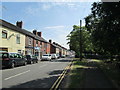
17 75
59 79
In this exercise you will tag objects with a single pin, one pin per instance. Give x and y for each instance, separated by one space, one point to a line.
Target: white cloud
49 5
46 6
32 10
57 0
57 34
54 27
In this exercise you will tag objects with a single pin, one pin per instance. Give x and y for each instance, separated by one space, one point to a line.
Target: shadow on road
55 72
38 83
42 83
62 60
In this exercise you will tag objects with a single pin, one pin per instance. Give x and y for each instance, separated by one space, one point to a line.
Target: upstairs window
18 39
4 34
30 41
36 42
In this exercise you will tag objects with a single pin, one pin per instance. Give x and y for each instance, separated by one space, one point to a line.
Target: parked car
63 56
12 59
53 56
58 56
31 59
46 57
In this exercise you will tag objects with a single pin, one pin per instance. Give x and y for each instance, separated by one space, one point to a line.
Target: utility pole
80 42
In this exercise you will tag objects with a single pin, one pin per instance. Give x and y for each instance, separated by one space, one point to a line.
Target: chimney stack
19 24
35 32
50 41
54 43
39 34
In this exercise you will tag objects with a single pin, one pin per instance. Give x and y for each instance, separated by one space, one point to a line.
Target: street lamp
80 42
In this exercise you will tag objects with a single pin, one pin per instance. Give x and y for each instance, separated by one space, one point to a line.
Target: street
39 75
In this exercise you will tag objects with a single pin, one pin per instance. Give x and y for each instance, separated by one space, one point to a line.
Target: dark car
12 59
31 59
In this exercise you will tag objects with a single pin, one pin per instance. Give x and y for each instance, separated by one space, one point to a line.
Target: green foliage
74 40
104 24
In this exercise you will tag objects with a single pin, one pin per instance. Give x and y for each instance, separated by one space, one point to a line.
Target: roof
23 31
54 45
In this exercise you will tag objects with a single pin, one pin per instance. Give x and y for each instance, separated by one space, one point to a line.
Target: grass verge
110 71
76 74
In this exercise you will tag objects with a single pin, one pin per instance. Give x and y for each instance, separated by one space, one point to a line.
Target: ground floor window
3 49
21 52
29 51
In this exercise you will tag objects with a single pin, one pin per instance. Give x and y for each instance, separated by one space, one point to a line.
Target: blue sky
53 19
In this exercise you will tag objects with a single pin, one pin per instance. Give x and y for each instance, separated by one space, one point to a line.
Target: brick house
48 48
39 43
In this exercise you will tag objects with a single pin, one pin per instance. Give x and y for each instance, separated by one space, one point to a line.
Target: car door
19 59
22 60
14 58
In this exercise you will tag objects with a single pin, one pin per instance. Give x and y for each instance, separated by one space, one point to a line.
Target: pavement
95 78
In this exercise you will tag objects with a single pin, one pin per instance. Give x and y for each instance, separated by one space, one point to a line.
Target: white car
55 56
46 57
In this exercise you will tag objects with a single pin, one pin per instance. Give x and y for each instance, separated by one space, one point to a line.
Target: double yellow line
60 78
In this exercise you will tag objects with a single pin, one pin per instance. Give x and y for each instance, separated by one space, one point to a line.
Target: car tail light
6 59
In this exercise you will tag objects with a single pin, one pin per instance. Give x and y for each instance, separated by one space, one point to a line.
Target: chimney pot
19 24
35 32
39 34
53 42
50 41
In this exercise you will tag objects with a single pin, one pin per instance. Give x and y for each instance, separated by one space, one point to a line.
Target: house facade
39 43
48 48
29 45
11 38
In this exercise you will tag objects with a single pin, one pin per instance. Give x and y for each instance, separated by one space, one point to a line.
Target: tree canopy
74 40
104 25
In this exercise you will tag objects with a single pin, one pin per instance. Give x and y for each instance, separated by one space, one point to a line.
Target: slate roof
23 31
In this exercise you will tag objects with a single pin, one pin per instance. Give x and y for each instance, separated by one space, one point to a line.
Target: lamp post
80 42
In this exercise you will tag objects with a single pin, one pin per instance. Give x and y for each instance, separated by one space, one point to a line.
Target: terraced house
15 39
12 39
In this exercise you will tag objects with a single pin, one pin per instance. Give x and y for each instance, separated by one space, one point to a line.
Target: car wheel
36 61
12 65
25 63
31 62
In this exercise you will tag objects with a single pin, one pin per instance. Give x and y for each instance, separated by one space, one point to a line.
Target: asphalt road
39 75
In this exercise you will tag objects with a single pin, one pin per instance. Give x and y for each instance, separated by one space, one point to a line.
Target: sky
53 19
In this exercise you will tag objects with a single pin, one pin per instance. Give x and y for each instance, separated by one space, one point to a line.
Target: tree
74 40
104 24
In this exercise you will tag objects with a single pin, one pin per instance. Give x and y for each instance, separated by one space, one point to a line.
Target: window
4 34
3 55
36 42
18 39
30 41
45 45
40 43
19 51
